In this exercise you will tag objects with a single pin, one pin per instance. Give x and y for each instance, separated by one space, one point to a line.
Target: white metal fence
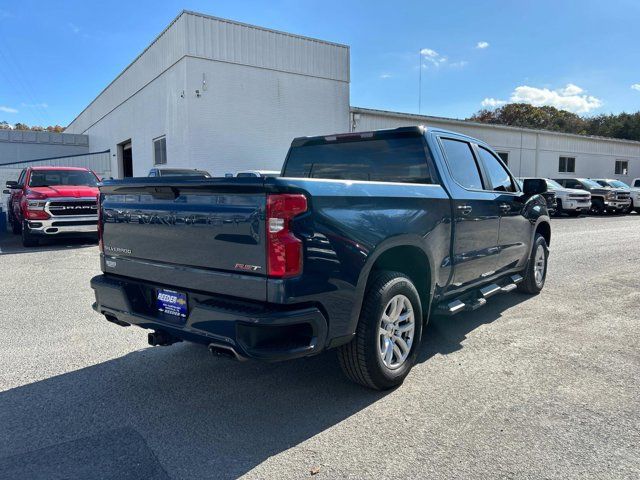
99 162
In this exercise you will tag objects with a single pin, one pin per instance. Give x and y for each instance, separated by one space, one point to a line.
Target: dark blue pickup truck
363 237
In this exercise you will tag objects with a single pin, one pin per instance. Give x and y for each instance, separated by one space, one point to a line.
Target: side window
498 175
160 151
573 184
504 156
636 183
567 165
21 177
462 164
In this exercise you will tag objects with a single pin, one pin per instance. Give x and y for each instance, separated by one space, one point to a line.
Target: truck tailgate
206 235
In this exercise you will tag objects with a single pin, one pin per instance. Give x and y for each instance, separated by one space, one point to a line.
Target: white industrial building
224 96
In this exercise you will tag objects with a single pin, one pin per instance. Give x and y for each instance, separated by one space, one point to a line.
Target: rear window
381 160
46 178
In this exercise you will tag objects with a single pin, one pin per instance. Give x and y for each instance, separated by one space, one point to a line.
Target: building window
504 156
160 151
622 167
567 165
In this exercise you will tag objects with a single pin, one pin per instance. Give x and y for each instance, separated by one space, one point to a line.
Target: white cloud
570 89
74 28
385 75
431 57
636 86
427 52
492 102
35 105
482 45
570 98
7 109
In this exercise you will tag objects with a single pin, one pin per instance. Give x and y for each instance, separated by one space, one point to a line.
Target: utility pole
419 81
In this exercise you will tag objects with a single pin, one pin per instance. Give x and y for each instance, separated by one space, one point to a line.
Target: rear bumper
252 330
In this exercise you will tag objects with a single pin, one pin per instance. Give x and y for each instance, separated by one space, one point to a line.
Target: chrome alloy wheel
395 333
539 266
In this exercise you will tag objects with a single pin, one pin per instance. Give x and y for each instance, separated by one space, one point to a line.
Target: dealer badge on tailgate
172 303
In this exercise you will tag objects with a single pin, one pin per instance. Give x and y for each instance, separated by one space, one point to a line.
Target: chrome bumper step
478 298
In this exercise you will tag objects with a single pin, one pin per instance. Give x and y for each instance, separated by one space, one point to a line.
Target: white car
258 173
571 201
634 191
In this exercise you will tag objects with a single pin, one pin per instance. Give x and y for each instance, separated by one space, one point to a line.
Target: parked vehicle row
575 196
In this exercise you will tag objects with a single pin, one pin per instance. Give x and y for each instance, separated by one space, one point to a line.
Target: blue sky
55 57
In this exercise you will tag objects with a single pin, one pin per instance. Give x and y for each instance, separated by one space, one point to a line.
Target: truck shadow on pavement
177 410
12 244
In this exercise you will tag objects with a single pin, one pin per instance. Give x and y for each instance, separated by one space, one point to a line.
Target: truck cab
50 202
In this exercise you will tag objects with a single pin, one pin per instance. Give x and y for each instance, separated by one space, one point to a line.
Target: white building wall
156 110
228 96
247 116
531 152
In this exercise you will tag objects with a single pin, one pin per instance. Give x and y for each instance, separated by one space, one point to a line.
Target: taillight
100 245
284 250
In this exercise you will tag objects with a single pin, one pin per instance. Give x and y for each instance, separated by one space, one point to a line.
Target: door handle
465 209
504 207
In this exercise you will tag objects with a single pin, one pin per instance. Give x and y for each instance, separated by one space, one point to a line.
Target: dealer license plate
172 303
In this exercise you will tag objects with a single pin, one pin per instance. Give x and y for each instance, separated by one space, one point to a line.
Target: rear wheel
574 213
28 239
388 335
536 273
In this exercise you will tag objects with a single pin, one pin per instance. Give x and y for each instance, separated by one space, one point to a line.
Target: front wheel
28 239
387 339
597 206
15 224
536 272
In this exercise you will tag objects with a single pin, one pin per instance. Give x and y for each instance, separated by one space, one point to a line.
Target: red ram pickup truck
53 202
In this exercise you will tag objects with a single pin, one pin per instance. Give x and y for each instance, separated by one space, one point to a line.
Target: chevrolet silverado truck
53 202
571 201
634 192
603 199
362 238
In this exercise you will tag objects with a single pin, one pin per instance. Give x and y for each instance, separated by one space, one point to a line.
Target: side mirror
534 186
6 192
12 184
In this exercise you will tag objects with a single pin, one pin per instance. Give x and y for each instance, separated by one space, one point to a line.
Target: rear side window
400 159
462 164
498 175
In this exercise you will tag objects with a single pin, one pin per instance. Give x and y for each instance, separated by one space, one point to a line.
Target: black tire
361 359
28 240
629 209
529 283
559 211
597 206
574 213
637 210
15 225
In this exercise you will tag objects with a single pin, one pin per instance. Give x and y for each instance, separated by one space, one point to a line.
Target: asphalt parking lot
527 387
